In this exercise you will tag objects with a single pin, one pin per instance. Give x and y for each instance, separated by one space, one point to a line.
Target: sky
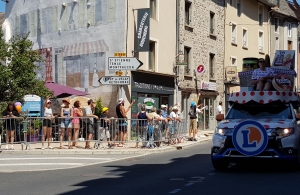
2 5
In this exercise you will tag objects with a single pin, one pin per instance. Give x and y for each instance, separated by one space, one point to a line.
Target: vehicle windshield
254 110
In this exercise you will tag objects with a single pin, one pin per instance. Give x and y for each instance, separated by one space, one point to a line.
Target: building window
153 9
187 53
211 65
238 8
233 33
212 22
260 15
233 61
276 25
47 24
24 24
261 41
290 43
277 43
230 2
152 56
188 18
245 38
289 30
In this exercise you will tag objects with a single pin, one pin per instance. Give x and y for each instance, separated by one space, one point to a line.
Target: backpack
192 113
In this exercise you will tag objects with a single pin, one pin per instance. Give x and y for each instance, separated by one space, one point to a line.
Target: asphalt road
188 171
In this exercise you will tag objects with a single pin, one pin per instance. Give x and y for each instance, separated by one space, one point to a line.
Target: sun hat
66 100
120 100
104 109
163 106
175 108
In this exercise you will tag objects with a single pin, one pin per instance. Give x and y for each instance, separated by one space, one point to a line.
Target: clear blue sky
2 5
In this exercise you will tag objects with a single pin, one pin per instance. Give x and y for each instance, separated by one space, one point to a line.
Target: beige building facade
201 41
247 35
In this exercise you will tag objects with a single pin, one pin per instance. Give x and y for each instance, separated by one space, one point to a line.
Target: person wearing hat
193 113
121 114
164 111
66 123
173 119
104 126
89 110
47 123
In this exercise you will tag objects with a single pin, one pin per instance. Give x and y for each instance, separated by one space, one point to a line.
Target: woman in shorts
77 112
10 123
66 123
47 123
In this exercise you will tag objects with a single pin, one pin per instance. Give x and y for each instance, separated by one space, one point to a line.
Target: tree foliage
18 76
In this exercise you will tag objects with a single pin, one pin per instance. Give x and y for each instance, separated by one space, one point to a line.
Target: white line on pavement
174 191
189 184
39 164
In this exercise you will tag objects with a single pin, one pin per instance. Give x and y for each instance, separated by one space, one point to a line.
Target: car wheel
219 164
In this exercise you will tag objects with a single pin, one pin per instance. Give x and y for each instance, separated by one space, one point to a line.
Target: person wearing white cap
164 111
121 115
173 118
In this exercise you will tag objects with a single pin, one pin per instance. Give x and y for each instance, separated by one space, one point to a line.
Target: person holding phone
10 123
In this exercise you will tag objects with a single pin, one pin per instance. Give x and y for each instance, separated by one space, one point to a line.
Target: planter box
32 138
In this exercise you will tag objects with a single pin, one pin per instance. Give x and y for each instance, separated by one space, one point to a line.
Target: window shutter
44 22
91 11
81 14
32 24
49 20
112 11
54 19
64 19
17 25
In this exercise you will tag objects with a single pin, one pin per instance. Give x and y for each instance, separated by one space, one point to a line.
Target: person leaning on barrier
162 122
90 122
66 123
173 119
10 123
104 125
77 112
47 123
142 126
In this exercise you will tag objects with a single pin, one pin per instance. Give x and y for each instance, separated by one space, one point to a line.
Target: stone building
201 41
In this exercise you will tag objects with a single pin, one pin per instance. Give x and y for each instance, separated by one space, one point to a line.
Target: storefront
152 90
206 121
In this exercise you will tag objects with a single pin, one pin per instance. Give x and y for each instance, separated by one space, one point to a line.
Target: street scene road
187 171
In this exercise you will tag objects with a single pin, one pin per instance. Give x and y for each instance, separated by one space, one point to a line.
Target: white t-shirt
173 115
197 113
47 112
219 109
258 73
88 110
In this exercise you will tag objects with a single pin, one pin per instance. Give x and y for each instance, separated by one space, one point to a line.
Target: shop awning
203 92
85 48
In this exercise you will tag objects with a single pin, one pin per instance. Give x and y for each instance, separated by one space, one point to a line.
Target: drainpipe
177 47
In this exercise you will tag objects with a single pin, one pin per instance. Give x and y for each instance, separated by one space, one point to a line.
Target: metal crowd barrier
149 134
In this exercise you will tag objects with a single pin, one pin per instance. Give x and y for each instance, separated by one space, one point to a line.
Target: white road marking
211 174
195 181
176 179
198 178
174 191
39 164
189 184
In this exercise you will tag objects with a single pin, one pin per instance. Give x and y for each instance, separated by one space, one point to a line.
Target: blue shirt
164 113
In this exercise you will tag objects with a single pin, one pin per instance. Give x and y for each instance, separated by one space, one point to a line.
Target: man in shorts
90 122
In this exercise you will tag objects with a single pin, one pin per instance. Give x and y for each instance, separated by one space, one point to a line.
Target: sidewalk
35 148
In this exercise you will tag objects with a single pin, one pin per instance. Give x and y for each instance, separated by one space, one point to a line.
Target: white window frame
245 45
261 42
262 14
237 12
289 29
276 31
234 41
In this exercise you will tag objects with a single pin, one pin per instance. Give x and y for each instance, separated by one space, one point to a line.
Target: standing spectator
10 124
90 122
164 111
66 123
193 113
158 130
173 119
122 117
104 126
220 108
47 123
77 112
142 126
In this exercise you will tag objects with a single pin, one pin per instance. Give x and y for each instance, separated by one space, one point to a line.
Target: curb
105 151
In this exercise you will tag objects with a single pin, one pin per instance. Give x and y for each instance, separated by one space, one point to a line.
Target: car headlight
221 131
283 132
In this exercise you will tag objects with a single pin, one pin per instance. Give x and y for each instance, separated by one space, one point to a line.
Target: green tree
99 106
18 77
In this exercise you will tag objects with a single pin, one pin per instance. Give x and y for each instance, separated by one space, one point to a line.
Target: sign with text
114 80
208 85
143 30
124 63
284 59
120 54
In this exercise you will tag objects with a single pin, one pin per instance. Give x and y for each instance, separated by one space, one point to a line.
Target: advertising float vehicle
258 125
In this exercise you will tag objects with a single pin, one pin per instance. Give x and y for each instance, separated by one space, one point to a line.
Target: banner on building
142 35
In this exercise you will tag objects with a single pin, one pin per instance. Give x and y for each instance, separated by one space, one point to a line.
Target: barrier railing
76 130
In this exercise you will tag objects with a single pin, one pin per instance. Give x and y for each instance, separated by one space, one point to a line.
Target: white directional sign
115 80
124 63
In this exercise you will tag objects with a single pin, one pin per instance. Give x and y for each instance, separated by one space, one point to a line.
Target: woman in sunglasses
262 77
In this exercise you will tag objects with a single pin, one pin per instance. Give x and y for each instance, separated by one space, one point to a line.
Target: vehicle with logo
259 125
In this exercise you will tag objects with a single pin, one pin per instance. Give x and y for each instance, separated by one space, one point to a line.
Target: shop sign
208 85
149 103
138 85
